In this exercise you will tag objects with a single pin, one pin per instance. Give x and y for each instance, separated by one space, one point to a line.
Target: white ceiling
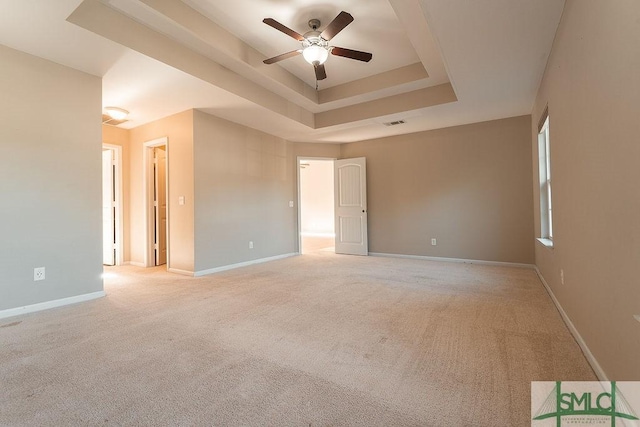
375 29
493 52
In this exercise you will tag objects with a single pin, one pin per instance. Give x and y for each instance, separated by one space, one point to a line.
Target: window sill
547 243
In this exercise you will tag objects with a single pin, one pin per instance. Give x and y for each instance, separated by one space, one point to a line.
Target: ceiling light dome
116 113
315 49
315 54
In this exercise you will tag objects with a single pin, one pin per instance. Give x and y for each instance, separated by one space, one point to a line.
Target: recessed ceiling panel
375 29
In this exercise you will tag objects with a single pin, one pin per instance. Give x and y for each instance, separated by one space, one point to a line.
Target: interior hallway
312 244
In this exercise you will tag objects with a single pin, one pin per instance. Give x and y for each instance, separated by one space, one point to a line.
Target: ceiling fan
315 44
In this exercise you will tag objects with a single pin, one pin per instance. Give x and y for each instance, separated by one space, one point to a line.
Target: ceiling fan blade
321 74
278 26
352 54
342 20
283 56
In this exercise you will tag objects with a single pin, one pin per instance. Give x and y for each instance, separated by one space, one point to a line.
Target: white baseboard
459 260
242 264
576 335
50 304
178 271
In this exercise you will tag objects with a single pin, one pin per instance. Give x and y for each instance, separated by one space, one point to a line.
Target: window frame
544 164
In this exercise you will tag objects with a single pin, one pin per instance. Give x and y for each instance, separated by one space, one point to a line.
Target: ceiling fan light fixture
116 113
315 54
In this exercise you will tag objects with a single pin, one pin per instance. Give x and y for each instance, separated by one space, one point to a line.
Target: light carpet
312 340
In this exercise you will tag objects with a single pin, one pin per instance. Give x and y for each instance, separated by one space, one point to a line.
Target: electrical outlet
433 242
38 274
562 276
250 244
290 203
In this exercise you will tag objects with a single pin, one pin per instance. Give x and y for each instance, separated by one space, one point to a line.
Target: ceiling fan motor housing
314 24
312 38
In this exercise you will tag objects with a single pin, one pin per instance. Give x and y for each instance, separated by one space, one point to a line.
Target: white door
160 204
350 189
108 209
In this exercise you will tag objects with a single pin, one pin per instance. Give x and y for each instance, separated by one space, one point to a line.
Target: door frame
119 212
148 190
299 228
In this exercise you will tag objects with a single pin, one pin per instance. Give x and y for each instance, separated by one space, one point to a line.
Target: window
544 162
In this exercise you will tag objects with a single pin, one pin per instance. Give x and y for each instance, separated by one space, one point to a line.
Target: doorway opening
156 206
316 215
112 234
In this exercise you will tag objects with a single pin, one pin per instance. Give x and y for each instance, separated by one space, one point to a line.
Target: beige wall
179 131
592 87
237 184
243 185
50 180
467 186
310 149
117 136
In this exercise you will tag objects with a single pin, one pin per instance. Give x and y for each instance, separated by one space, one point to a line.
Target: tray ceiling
436 63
